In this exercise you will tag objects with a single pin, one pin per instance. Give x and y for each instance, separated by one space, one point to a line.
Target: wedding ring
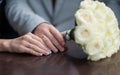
42 36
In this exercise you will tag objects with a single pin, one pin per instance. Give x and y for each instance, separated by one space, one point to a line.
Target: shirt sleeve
21 17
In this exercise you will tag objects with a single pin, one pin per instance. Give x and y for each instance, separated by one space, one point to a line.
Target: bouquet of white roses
97 30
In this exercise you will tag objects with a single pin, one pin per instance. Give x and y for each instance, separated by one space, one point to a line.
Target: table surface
71 62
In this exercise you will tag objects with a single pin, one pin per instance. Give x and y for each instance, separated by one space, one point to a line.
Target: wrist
4 45
36 28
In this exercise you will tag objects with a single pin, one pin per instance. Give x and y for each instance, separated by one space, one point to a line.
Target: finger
57 35
39 36
54 41
39 42
34 40
30 51
49 43
35 48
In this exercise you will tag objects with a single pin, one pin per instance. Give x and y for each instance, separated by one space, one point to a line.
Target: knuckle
24 37
44 29
28 45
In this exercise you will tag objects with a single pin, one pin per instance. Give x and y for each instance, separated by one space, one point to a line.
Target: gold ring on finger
42 36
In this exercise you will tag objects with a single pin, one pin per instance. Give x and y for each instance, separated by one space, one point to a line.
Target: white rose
85 17
88 4
99 30
96 57
117 42
109 48
94 46
83 34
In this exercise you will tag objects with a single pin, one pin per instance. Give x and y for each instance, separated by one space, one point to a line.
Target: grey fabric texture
25 15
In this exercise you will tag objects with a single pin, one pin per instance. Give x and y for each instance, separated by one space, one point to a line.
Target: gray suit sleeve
21 17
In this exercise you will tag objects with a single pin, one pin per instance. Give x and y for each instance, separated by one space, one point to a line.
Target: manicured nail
49 52
40 54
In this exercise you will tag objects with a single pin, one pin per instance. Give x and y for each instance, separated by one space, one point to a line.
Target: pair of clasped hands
44 40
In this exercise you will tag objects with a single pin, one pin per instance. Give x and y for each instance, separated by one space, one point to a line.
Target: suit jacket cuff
33 23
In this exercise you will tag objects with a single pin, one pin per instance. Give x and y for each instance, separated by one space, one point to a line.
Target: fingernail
40 54
49 52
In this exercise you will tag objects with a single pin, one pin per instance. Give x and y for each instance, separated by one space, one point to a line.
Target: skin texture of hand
28 43
51 37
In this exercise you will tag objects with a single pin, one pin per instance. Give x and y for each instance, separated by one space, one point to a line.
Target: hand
28 43
51 37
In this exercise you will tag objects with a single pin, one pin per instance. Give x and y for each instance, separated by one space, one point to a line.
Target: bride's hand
28 43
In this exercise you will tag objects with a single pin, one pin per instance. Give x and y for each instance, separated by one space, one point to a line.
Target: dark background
5 30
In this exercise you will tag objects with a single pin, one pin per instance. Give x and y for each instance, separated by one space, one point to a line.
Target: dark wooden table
71 62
